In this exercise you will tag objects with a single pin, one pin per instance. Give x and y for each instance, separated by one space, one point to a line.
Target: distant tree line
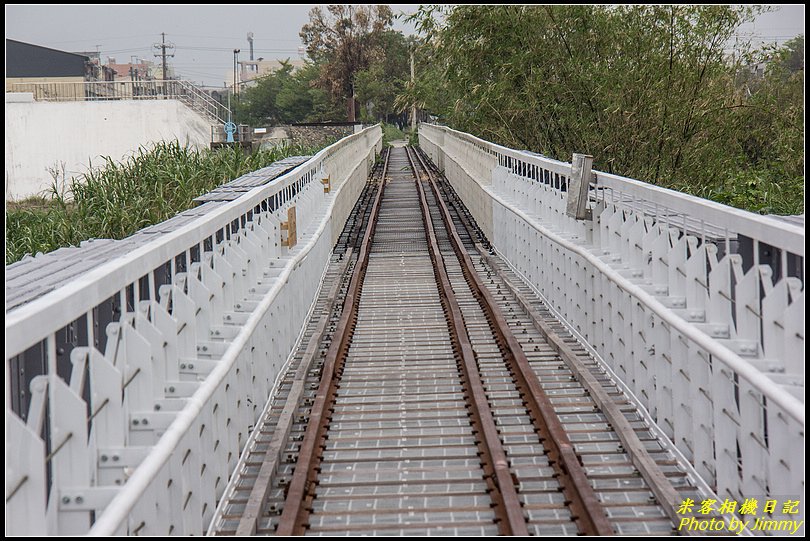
662 93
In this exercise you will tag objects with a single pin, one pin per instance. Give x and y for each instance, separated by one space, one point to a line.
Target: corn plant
117 199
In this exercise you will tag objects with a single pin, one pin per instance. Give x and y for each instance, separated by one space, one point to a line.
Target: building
250 70
52 74
140 70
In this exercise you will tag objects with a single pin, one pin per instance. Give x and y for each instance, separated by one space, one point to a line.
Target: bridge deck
401 448
444 352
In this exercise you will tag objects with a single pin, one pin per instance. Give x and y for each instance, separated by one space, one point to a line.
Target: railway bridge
457 338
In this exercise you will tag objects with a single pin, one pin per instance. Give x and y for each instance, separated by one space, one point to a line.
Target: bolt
190 366
182 366
79 499
157 407
65 499
104 458
136 422
171 389
145 422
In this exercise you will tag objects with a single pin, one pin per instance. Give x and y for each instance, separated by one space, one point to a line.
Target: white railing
183 91
135 428
697 307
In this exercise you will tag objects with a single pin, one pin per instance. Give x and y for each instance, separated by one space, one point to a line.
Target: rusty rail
301 489
499 480
586 508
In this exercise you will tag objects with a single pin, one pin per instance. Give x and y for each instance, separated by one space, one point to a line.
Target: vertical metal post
413 107
581 177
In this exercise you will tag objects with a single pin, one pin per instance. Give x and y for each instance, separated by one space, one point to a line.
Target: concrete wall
43 135
309 136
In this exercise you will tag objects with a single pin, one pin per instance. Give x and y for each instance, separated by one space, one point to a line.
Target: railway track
433 394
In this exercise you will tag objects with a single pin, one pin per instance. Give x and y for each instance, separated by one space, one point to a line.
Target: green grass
392 133
118 199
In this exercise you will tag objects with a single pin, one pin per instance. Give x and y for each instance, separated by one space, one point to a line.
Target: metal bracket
86 498
289 226
327 184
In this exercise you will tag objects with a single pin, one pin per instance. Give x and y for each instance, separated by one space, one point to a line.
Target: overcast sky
205 36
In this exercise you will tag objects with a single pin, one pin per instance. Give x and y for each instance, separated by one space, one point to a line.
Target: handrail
773 232
62 305
159 406
152 89
696 308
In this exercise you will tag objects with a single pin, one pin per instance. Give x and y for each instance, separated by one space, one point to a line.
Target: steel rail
659 484
116 512
248 522
300 493
506 502
586 509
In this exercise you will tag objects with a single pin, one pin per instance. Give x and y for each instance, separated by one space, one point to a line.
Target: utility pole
413 107
162 48
235 62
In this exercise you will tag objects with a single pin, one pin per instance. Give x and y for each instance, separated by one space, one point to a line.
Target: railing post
581 177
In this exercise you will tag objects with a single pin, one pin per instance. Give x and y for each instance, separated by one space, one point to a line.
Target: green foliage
285 96
392 133
413 138
378 85
344 40
352 52
759 190
118 199
648 90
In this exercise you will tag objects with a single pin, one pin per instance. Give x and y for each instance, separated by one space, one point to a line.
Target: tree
285 96
648 90
378 85
344 41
